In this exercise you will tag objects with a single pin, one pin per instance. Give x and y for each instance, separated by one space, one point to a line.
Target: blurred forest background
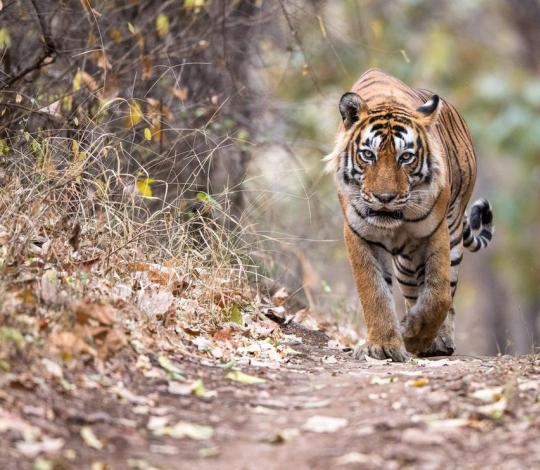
224 109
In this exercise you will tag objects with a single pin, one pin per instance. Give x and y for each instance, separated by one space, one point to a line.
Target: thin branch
298 40
48 53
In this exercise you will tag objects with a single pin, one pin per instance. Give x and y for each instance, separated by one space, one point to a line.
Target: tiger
405 169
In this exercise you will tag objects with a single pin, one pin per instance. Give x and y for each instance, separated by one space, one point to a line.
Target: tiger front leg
425 318
371 272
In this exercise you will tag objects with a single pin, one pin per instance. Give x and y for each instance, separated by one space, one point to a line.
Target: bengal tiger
405 169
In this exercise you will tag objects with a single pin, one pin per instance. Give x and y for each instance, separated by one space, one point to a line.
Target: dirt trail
320 410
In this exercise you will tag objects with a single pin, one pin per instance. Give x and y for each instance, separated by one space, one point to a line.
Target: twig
298 40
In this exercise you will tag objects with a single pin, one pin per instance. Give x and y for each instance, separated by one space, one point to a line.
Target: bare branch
46 56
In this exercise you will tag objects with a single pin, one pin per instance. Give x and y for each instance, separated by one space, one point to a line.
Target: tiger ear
428 112
351 106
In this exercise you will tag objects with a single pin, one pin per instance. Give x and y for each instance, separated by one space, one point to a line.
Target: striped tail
480 217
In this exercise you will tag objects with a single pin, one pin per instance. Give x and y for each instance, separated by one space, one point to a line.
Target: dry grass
72 206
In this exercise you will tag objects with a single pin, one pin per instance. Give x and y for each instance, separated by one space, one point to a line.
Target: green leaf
4 147
162 25
12 335
5 38
193 4
42 464
207 199
238 376
198 388
235 315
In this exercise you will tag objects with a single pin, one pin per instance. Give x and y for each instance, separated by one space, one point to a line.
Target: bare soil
319 410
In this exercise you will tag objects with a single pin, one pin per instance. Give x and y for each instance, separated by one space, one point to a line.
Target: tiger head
385 166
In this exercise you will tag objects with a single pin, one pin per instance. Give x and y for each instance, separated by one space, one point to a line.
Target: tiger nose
385 198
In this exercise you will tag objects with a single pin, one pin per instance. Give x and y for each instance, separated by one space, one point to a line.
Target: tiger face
386 167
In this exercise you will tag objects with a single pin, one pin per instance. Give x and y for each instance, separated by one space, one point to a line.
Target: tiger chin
405 170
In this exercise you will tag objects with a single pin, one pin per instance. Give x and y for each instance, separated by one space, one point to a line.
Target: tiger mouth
396 215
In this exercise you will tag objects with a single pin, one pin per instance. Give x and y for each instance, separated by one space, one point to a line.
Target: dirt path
319 410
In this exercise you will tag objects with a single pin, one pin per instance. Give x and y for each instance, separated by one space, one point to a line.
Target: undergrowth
80 235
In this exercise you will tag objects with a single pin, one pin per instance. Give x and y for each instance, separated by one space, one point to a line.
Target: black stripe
405 283
455 242
486 234
402 269
455 262
424 216
368 241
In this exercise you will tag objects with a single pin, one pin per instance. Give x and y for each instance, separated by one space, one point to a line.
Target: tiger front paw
393 350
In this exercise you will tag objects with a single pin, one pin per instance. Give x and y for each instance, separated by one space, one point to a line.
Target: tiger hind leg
444 344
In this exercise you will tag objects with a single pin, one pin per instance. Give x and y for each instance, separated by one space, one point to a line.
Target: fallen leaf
316 404
90 438
197 388
280 297
443 424
101 313
493 410
353 458
154 303
488 394
12 422
180 93
322 424
98 466
420 382
33 449
435 362
69 344
157 422
53 368
184 429
170 367
242 378
329 360
114 342
383 380
207 452
223 335
135 114
42 464
376 361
